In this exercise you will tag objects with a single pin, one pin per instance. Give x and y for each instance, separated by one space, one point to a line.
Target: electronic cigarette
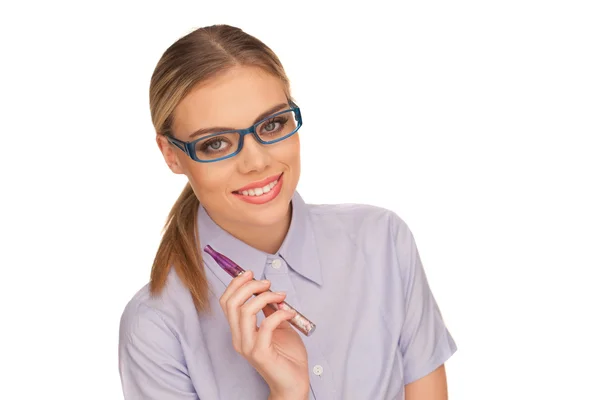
299 321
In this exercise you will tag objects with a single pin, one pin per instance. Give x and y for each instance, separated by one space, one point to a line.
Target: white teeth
260 191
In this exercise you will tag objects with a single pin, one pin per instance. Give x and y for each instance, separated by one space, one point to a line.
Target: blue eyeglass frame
189 148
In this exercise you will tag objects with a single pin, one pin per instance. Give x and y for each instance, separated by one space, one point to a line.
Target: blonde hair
191 60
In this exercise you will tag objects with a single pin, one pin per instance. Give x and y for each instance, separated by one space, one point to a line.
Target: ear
170 153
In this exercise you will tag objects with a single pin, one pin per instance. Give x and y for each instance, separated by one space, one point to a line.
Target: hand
275 349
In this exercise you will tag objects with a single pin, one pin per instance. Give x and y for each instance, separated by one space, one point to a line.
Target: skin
431 387
235 99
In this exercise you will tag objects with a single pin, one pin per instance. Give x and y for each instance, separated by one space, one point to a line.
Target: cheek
207 179
289 151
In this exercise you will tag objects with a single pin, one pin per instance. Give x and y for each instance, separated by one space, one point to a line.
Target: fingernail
265 281
246 273
280 293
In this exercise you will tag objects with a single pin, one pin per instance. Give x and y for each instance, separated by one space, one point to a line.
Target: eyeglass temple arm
181 145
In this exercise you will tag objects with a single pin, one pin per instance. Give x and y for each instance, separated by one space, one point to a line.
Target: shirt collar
298 248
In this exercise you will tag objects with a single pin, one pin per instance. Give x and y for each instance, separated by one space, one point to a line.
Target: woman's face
236 99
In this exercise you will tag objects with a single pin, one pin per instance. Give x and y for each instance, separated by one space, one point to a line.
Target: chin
270 213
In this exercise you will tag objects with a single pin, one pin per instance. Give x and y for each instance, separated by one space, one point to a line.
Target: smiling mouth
259 190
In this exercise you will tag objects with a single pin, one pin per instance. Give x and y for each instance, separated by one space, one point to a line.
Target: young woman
224 116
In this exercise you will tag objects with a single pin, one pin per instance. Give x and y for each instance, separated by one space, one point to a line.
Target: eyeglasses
221 145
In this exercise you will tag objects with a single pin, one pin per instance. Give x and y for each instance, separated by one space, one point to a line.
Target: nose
254 157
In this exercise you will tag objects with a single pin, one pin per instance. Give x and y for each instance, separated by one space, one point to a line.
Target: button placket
279 281
321 383
320 378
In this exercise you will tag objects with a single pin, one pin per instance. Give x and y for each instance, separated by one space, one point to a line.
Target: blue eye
274 125
214 145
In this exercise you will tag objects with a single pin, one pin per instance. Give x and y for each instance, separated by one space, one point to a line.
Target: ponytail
179 247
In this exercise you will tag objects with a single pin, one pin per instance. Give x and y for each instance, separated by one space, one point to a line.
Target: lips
259 184
260 196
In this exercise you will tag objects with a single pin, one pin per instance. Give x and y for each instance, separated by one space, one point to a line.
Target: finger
234 304
234 285
269 324
248 317
270 310
244 293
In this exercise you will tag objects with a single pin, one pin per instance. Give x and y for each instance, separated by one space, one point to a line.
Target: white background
477 122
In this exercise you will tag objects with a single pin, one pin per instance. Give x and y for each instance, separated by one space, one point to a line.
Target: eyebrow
262 116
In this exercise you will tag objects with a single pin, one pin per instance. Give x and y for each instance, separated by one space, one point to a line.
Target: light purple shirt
354 270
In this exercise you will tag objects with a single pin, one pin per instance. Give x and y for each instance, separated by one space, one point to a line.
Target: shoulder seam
154 312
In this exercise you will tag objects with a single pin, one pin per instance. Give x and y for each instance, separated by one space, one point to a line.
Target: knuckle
229 305
236 347
247 352
245 310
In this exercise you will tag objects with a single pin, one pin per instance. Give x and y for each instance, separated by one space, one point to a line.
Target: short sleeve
151 363
425 342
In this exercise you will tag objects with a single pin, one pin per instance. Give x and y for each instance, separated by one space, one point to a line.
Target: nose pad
252 132
253 145
254 155
243 136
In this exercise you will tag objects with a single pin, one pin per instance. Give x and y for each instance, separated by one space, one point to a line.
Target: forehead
233 99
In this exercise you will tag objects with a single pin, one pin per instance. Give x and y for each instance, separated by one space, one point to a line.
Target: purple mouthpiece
228 265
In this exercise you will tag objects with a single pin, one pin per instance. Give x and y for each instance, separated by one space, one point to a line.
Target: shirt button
276 263
317 370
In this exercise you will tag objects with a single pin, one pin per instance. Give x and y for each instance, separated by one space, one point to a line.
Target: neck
264 238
